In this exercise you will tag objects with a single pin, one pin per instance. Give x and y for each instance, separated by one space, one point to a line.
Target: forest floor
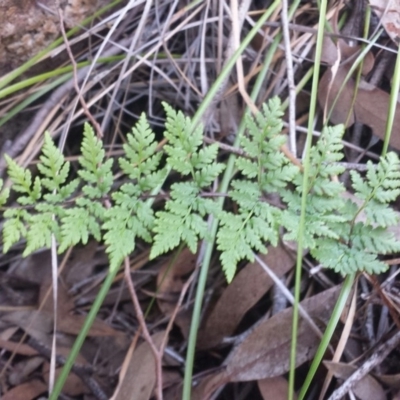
126 61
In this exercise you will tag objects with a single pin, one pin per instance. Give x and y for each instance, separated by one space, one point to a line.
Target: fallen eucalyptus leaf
370 105
250 284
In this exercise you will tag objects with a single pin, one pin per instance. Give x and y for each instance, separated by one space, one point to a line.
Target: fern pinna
344 232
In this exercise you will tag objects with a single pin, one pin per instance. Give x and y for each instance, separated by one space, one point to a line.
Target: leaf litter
239 312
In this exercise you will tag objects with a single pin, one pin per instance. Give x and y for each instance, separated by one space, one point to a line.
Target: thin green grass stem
343 296
306 165
330 329
187 384
224 184
195 323
34 96
360 66
50 74
394 93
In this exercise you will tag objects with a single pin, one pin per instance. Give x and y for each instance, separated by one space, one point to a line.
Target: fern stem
299 259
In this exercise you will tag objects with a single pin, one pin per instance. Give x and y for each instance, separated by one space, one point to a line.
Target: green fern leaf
80 222
346 260
22 183
129 219
52 166
142 162
94 170
41 227
184 217
4 194
378 215
238 237
383 180
376 239
13 228
183 140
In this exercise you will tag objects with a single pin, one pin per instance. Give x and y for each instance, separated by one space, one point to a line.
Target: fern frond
265 169
52 166
126 221
131 217
4 194
185 210
379 215
345 260
41 227
13 228
382 182
22 183
122 213
183 219
375 239
240 235
95 171
142 162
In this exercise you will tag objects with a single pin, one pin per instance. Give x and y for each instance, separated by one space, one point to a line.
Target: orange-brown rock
28 26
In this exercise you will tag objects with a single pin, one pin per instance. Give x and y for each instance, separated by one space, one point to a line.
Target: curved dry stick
145 331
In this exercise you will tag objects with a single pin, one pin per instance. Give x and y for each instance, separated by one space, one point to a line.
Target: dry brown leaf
72 324
393 381
341 51
38 324
276 388
16 291
367 388
207 386
17 348
250 284
81 263
370 106
389 13
140 378
65 302
34 268
26 391
22 369
265 352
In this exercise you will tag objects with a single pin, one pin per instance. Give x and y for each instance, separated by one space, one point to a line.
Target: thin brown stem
76 84
146 334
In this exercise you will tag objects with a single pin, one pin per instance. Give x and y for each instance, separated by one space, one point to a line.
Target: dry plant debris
172 52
